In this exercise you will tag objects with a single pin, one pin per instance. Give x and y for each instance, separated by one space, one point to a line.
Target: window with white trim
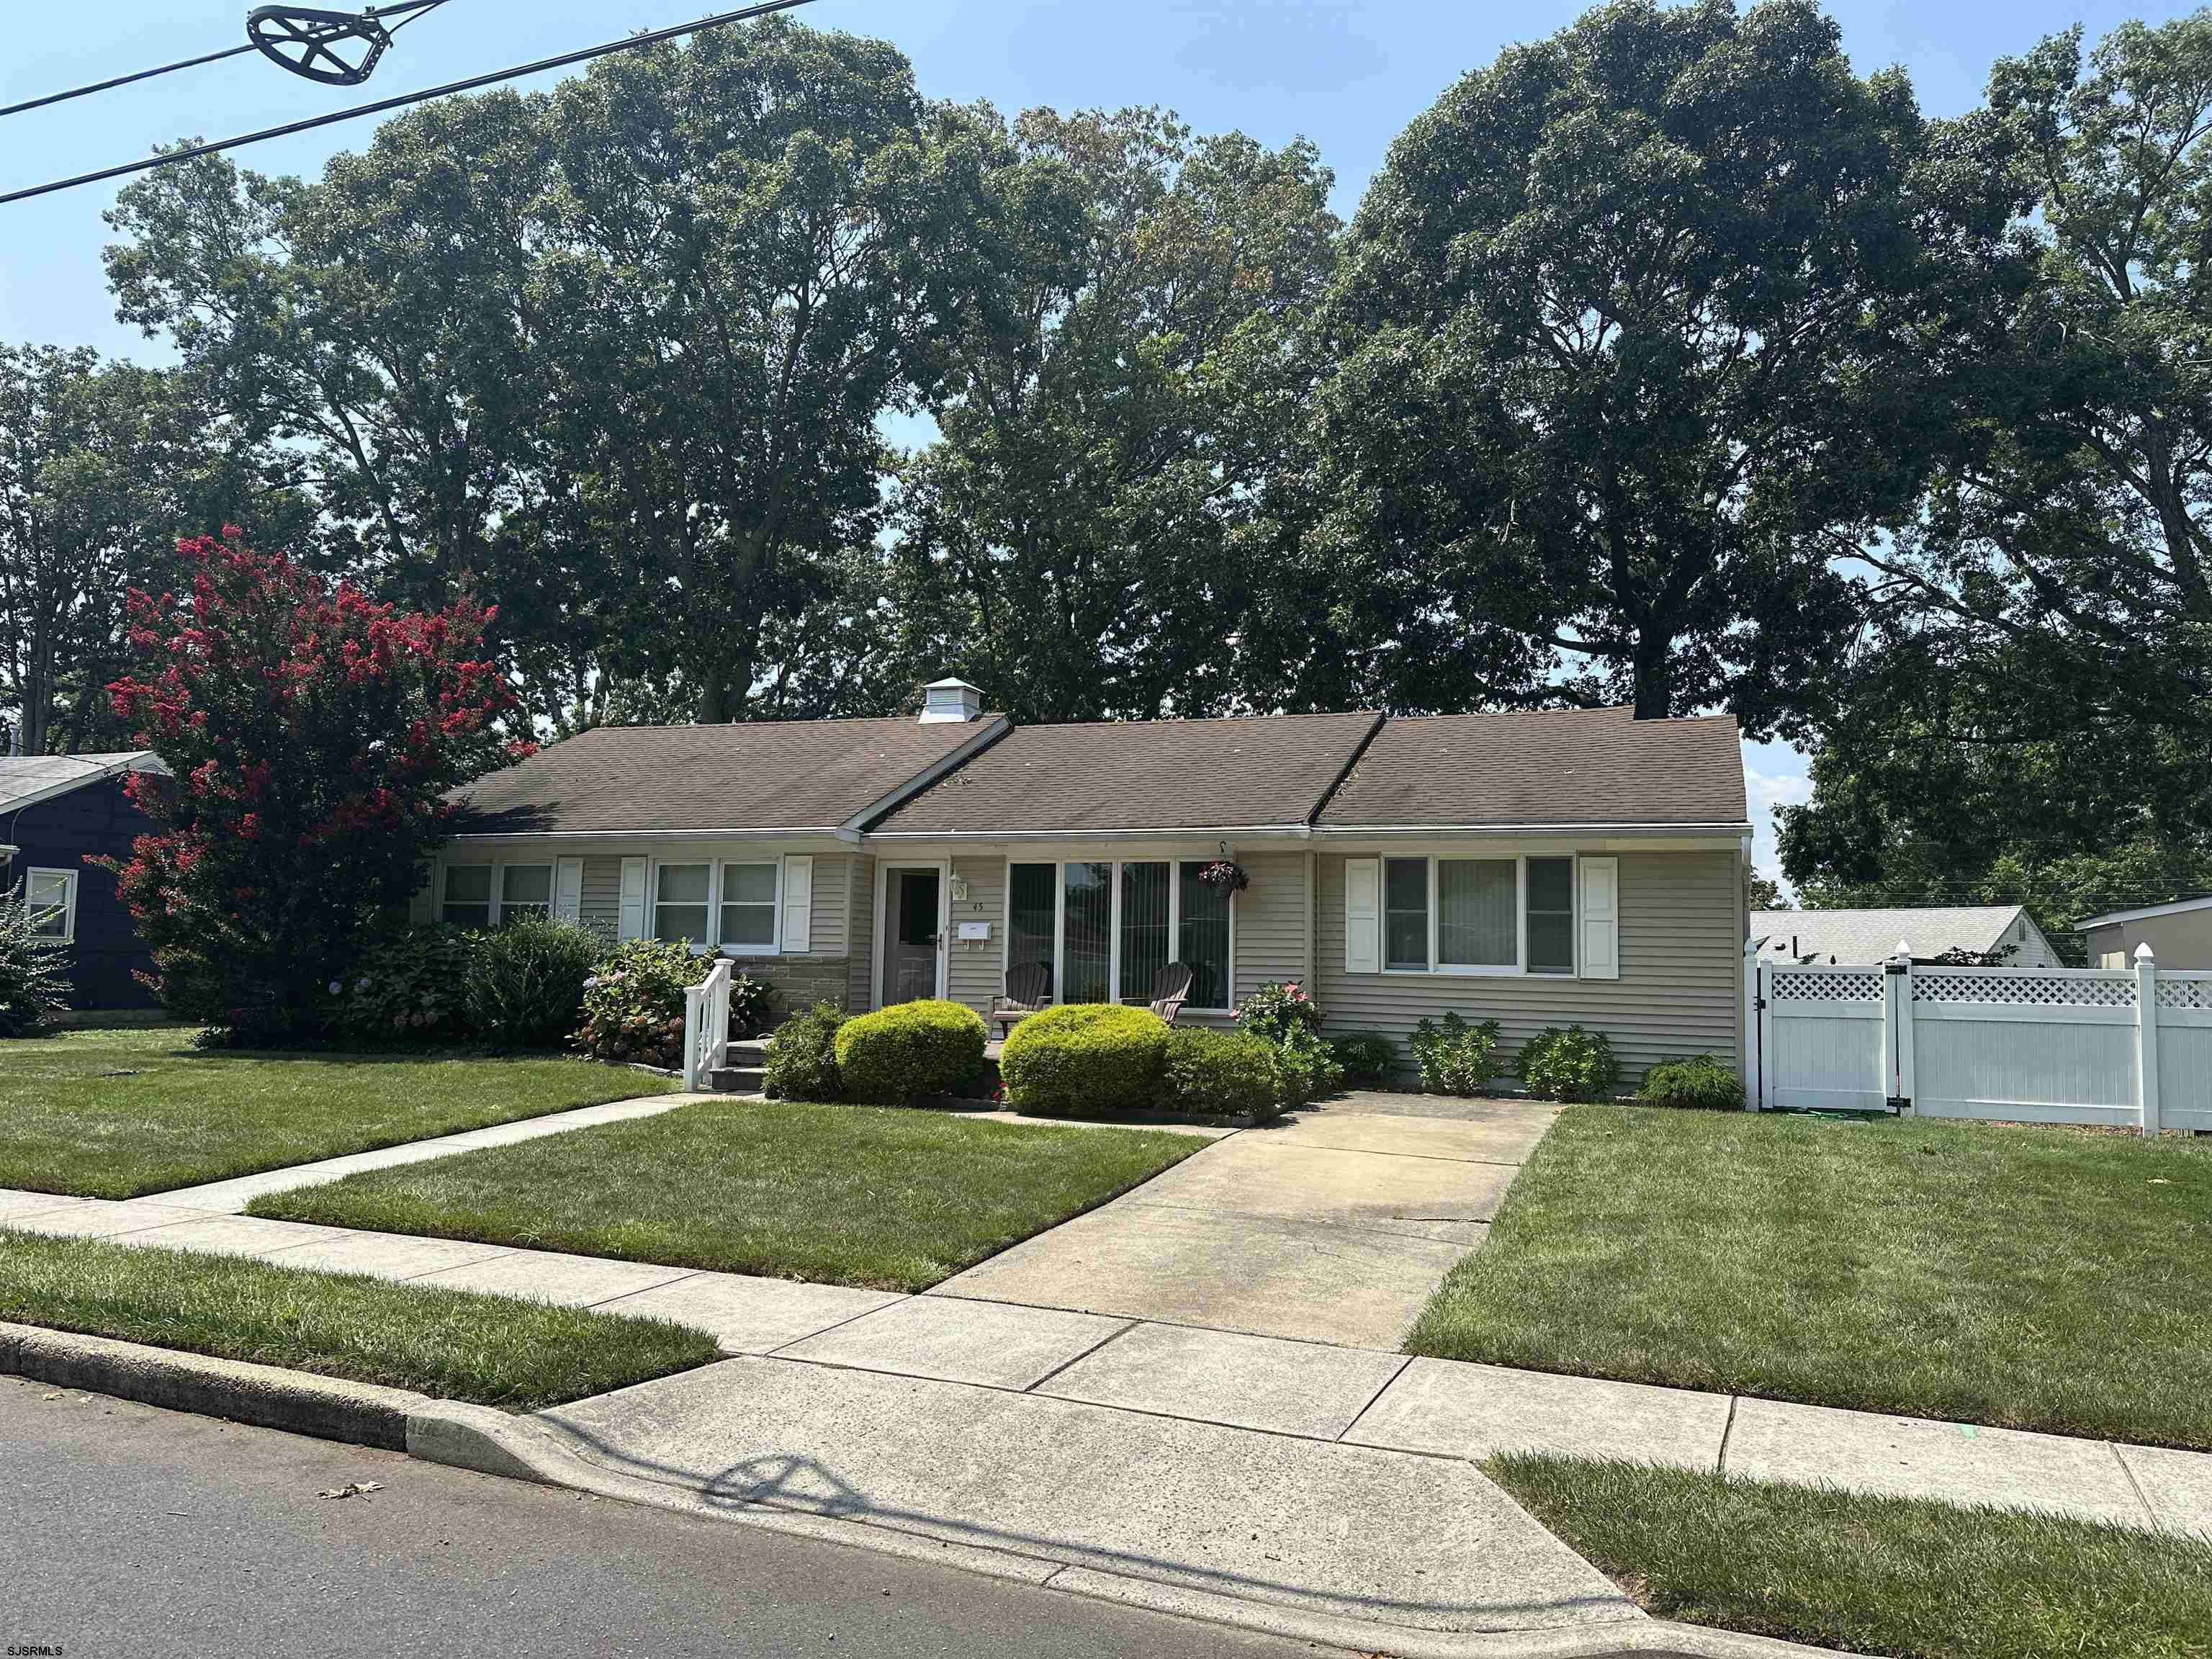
49 899
748 907
1479 915
733 906
492 894
1102 929
681 901
524 889
467 902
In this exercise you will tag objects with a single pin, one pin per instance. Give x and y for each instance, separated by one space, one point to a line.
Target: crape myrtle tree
2032 721
311 734
1632 328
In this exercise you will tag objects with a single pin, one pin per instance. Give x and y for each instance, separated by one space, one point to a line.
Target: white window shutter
1600 921
798 905
1362 915
568 890
631 924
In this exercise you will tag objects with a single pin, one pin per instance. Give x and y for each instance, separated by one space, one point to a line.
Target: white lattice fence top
2061 990
2175 992
1828 985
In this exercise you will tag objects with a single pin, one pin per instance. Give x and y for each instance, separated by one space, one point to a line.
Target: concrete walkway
1333 1225
846 1345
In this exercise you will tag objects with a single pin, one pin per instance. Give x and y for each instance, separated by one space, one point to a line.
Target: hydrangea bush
634 1004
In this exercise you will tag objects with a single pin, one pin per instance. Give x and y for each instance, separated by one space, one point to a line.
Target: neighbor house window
1102 929
748 906
524 889
1405 914
467 902
50 898
680 902
1493 916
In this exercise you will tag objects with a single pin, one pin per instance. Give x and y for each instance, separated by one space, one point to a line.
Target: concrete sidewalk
1289 1391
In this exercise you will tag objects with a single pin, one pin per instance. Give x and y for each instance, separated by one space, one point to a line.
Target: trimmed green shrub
1366 1056
750 1000
526 984
802 1056
34 980
1276 1009
1221 1073
911 1051
1306 1068
1086 1057
1455 1058
634 1004
1704 1084
409 987
1570 1065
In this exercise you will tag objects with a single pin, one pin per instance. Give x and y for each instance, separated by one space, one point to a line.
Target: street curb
489 1442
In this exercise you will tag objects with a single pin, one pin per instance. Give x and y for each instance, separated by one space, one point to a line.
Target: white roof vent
948 702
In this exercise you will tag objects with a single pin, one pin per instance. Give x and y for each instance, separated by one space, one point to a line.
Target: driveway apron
1332 1225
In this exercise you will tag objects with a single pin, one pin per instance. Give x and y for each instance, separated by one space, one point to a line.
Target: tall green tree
1078 539
1632 326
2040 688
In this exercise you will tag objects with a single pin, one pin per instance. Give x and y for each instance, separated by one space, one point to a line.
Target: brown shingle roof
1270 769
1572 767
792 775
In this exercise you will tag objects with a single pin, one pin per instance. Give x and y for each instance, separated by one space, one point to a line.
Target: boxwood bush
802 1056
911 1051
1366 1056
1086 1057
1704 1083
1224 1074
1569 1065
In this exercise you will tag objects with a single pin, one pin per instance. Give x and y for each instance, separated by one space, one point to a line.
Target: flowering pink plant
1225 873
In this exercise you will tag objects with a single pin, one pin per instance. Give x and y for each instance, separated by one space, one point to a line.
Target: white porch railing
706 1025
2119 1047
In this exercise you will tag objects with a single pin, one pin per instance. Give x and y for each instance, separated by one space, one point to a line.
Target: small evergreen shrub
911 1051
1455 1057
1367 1057
34 982
1306 1068
634 1004
749 1002
1221 1073
1704 1084
1570 1065
409 986
802 1056
525 985
1276 1009
1086 1057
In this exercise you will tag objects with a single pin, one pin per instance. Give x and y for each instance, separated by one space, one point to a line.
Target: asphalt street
126 1530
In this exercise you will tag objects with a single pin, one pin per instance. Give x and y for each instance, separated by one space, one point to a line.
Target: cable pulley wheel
337 48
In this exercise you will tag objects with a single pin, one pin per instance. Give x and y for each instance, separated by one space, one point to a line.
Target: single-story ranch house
57 811
1540 868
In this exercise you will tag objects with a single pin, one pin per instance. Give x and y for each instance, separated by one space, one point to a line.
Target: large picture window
1493 916
1101 930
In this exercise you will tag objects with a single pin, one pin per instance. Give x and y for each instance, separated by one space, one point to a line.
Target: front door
911 941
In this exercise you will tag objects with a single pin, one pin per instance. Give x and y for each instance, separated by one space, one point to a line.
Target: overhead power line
191 152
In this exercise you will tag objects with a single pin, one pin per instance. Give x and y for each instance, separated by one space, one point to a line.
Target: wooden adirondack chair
1170 989
1029 987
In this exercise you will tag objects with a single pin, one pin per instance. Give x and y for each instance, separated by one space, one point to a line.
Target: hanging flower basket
1226 874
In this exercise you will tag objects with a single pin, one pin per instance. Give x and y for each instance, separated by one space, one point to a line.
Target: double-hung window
49 899
1102 929
467 899
493 894
1479 915
524 890
730 906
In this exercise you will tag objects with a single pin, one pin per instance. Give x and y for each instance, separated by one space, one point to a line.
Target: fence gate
2119 1047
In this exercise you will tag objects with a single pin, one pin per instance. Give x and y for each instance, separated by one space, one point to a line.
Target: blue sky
1346 74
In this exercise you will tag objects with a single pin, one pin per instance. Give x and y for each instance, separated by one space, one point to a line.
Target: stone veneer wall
800 981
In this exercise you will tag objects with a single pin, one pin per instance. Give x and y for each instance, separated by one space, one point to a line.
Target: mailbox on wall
975 931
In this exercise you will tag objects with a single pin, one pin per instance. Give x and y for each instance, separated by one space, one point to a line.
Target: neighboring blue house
56 811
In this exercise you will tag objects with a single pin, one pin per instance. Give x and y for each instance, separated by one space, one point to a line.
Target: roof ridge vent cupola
947 702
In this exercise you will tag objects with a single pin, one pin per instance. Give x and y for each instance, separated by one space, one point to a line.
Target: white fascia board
1045 837
1734 828
2113 918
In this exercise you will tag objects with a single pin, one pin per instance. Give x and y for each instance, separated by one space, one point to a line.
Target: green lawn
116 1114
884 1197
2039 1278
1874 1575
495 1350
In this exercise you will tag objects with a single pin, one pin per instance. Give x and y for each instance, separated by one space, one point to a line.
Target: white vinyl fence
2131 1046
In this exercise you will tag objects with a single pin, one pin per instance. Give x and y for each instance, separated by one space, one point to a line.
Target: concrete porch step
738 1080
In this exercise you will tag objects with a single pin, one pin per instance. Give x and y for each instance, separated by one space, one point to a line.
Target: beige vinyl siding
975 973
601 907
1272 918
828 926
859 997
1680 991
